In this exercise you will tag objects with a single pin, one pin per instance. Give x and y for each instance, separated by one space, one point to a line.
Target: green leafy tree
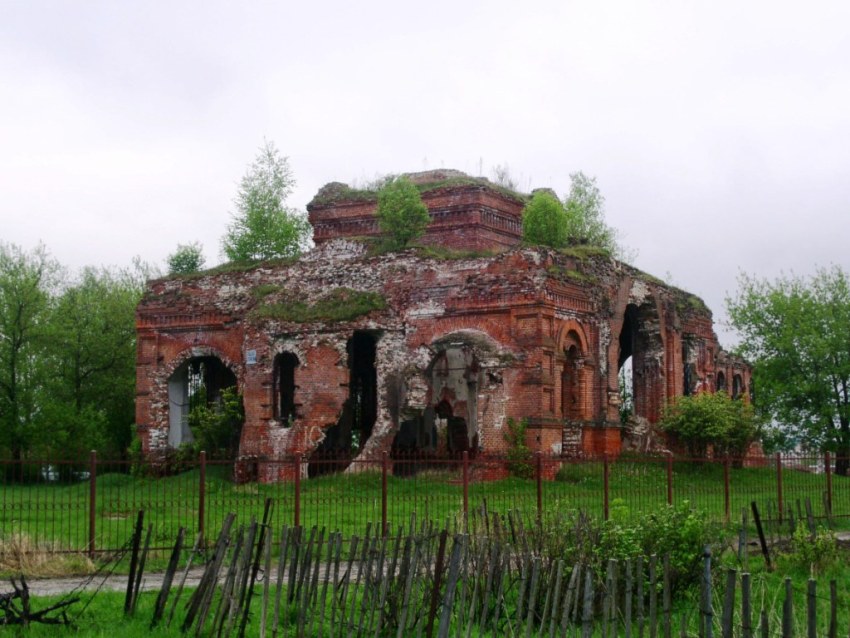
795 332
89 398
188 258
263 227
26 282
585 206
402 216
727 425
544 221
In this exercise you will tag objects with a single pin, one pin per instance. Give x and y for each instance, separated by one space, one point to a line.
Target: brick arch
192 352
174 392
464 381
574 382
572 333
643 315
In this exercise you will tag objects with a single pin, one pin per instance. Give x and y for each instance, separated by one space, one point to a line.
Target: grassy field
57 515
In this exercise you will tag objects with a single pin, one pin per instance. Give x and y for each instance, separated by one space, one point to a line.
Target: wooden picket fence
425 580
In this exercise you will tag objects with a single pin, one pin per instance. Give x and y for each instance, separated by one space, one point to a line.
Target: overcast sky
719 132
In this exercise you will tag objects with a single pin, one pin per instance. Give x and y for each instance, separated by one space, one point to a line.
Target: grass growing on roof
340 304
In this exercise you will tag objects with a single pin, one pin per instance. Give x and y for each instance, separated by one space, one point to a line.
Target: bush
519 454
217 427
813 552
401 214
727 425
544 221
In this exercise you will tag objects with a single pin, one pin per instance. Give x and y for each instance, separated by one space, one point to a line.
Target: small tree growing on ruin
401 214
544 221
188 258
585 206
706 420
263 227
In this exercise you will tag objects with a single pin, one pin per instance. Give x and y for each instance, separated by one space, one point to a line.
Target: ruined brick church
353 353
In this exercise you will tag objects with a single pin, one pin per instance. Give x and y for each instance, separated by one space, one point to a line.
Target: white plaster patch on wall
604 344
341 249
639 293
429 308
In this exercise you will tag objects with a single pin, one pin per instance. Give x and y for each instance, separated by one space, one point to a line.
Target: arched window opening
720 383
737 386
285 408
570 386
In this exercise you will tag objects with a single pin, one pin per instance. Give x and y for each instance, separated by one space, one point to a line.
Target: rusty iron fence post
92 501
538 475
384 467
298 462
779 484
605 484
726 495
827 464
669 478
465 471
202 492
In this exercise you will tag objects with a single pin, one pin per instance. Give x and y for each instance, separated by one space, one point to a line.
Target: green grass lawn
58 514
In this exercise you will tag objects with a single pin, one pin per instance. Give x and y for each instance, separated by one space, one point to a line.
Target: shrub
544 221
727 425
216 427
813 552
401 214
519 454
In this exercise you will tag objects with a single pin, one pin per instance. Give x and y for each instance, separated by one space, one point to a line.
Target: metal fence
90 505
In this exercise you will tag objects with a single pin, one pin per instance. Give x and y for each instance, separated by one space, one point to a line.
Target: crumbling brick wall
411 352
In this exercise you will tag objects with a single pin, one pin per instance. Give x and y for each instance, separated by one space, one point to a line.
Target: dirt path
116 582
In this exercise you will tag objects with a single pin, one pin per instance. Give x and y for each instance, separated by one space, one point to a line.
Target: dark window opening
346 438
284 388
570 403
720 384
362 388
206 378
737 386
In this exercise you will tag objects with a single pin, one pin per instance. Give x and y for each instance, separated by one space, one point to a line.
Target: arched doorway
455 373
198 382
640 342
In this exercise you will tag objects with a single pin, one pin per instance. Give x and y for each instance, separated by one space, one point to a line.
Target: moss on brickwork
455 182
235 266
686 302
264 290
585 252
337 192
563 273
340 304
650 279
447 254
